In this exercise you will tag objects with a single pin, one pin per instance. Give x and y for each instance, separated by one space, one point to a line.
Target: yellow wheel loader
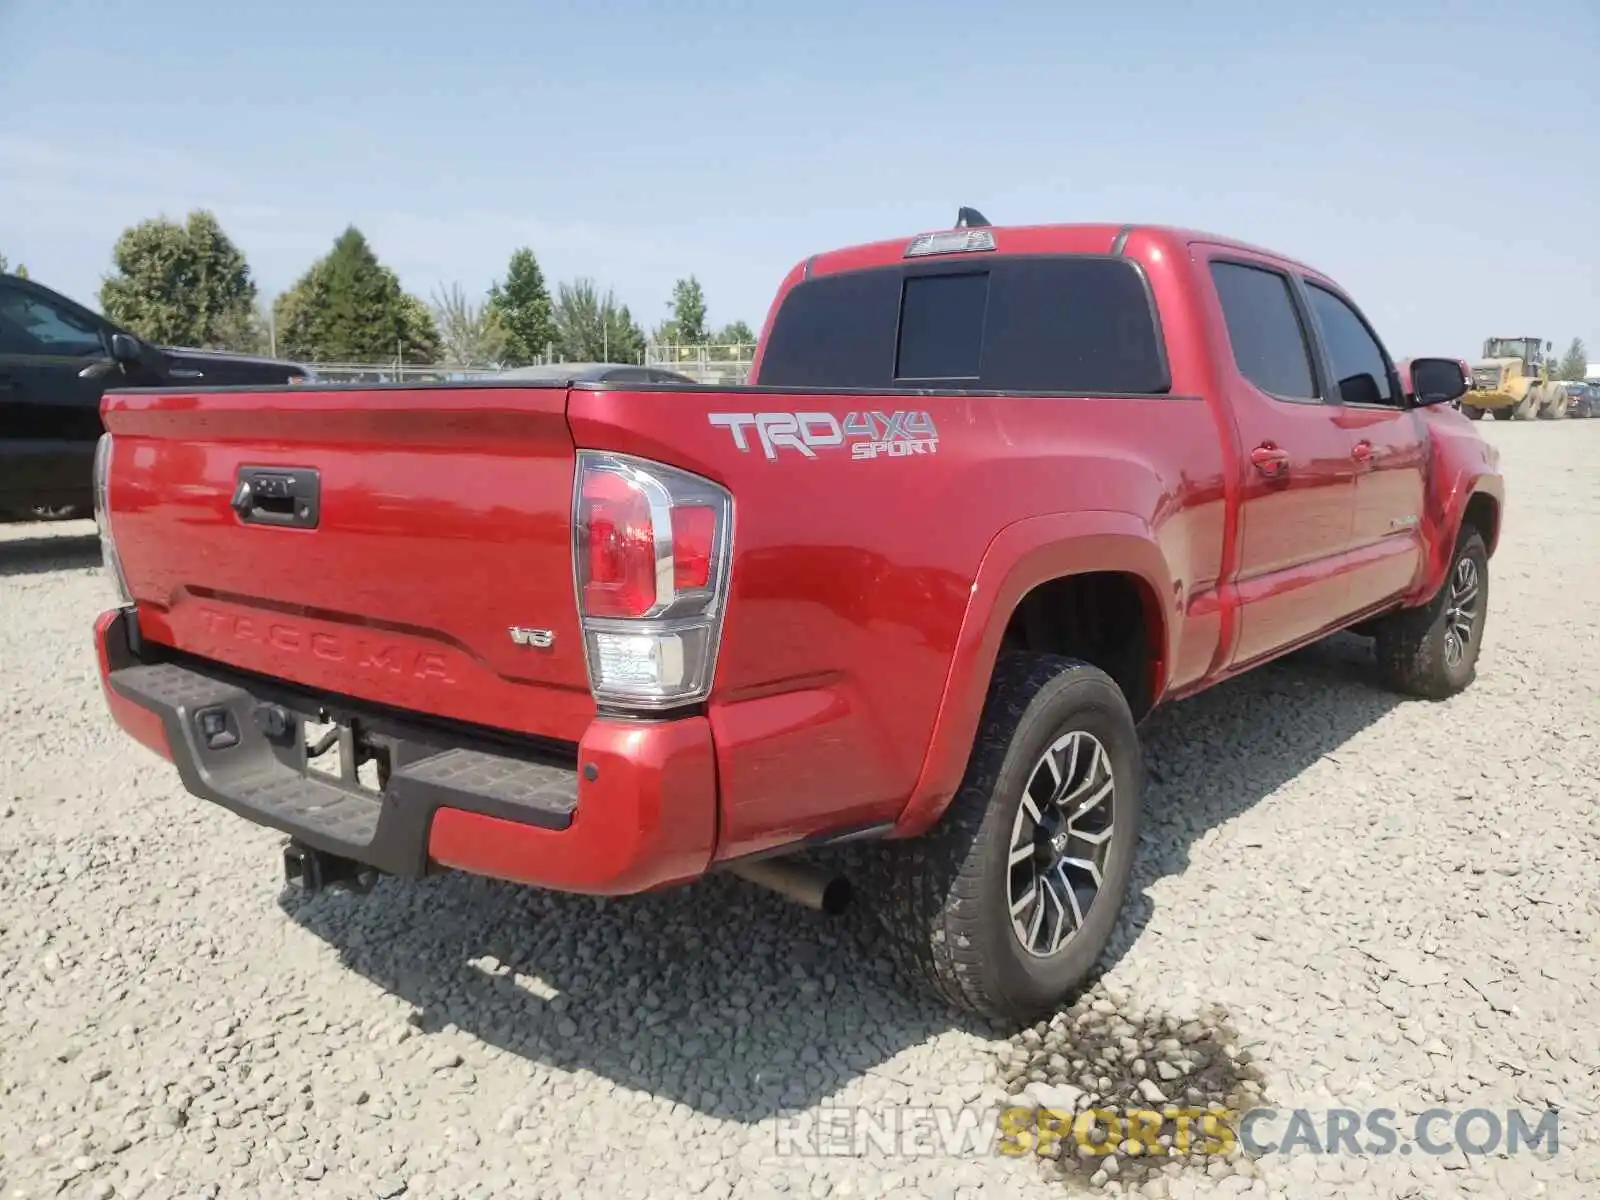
1512 381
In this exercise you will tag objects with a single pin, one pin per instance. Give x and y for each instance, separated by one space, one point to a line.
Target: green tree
688 323
594 328
349 307
185 285
522 305
471 335
244 330
418 330
735 333
21 272
1575 362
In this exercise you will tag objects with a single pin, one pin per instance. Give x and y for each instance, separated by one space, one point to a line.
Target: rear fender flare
1023 555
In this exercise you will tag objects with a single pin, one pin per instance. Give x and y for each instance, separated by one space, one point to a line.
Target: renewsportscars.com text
927 1131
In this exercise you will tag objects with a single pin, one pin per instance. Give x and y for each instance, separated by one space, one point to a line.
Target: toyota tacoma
991 496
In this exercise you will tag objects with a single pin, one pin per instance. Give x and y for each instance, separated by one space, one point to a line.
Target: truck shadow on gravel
1215 756
742 1006
40 555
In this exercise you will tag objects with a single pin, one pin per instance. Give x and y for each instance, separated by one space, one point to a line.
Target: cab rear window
1058 324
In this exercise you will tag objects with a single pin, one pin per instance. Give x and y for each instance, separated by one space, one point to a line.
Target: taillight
621 545
694 538
102 518
652 546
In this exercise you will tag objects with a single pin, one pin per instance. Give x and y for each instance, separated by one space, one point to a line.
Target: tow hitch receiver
313 870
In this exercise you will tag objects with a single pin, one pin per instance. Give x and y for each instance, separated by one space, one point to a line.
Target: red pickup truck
993 495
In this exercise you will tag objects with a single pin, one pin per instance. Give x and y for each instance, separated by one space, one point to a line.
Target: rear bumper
634 808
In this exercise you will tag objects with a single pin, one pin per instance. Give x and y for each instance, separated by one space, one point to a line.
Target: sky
1440 160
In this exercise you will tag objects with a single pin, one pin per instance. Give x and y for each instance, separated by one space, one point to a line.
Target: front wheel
1432 651
1473 413
1005 907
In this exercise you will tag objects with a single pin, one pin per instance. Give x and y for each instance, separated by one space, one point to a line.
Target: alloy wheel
1060 840
1461 611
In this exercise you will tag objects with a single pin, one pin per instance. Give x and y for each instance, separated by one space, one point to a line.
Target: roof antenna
968 218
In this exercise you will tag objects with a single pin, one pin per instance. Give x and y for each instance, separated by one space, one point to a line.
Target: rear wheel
1473 414
1005 907
1506 413
1432 651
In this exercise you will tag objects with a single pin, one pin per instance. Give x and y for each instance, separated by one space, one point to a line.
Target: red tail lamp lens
694 533
622 547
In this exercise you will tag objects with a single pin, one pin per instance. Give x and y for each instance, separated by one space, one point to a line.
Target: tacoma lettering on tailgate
867 434
356 652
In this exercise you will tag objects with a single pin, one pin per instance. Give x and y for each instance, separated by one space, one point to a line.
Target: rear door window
1058 324
1264 329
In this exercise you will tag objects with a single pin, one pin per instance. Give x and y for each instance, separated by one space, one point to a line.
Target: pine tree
522 306
1575 362
688 324
349 307
595 328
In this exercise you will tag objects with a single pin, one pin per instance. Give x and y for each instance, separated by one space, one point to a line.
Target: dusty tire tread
1409 646
928 889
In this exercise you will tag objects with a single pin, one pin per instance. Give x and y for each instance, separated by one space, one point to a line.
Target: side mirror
1436 381
125 349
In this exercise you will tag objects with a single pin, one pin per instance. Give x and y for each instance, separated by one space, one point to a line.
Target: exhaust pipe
796 881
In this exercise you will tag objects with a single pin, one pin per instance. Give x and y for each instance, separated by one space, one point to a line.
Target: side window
1358 361
32 325
1269 345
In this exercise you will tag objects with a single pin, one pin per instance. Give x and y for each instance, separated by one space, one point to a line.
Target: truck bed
446 522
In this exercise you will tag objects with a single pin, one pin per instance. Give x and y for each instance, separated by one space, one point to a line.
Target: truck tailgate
442 524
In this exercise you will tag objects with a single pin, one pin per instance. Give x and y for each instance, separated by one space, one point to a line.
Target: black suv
56 358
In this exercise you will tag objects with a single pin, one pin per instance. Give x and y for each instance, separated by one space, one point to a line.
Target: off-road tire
1505 413
1411 644
943 898
1473 413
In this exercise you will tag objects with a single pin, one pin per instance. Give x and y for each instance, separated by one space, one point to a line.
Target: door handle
1270 461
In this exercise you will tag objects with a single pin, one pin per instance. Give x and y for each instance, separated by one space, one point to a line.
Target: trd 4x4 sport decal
867 434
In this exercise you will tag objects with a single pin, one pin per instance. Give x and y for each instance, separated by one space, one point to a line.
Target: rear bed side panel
445 521
852 577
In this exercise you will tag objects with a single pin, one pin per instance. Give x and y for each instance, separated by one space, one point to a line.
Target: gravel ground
1345 901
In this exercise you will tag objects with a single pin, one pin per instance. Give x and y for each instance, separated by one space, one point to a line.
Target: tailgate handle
287 496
